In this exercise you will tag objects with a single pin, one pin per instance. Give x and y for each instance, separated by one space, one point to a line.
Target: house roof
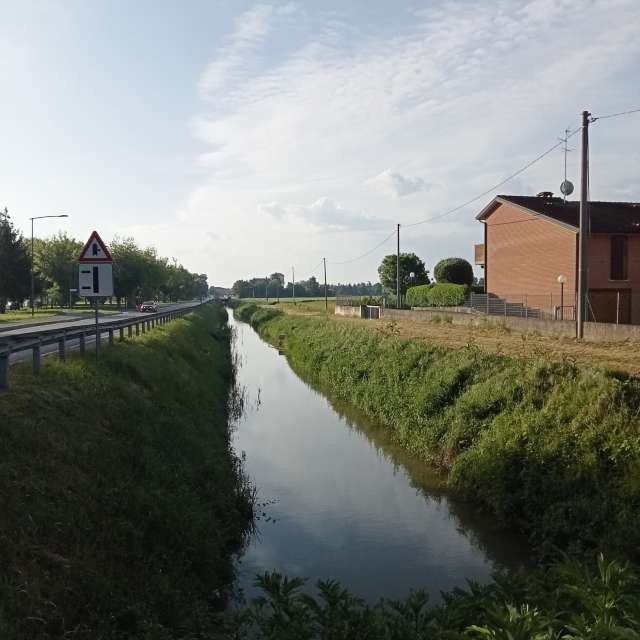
605 217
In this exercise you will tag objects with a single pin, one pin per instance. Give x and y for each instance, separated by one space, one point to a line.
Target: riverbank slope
549 448
120 497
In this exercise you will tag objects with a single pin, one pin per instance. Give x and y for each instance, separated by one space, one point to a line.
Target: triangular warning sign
95 250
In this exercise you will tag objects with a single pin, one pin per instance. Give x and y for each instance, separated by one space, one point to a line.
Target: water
342 502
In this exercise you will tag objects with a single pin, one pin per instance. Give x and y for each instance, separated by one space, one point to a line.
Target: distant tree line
137 273
274 286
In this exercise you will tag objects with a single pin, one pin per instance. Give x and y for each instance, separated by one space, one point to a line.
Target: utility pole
326 303
398 272
583 269
293 283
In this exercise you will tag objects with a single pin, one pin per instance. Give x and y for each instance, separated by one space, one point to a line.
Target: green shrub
569 600
437 295
453 271
419 296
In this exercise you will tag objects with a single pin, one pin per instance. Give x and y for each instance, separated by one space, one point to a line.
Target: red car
149 307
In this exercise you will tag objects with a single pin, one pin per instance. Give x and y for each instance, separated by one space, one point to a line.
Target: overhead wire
495 186
615 115
513 175
364 255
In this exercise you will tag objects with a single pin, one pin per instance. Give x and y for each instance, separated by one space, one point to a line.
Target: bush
419 296
453 271
567 599
437 295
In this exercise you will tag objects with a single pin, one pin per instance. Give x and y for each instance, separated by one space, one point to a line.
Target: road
27 332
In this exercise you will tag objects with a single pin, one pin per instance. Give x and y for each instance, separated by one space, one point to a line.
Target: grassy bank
120 498
547 447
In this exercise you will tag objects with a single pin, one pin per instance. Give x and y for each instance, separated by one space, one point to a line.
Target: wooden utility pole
583 268
398 271
293 283
326 303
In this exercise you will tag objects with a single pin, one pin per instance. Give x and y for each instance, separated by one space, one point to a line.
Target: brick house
529 241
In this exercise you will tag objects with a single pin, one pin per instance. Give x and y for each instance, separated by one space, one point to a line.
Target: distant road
89 321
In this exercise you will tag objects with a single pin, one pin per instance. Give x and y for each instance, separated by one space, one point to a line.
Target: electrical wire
615 115
364 255
495 186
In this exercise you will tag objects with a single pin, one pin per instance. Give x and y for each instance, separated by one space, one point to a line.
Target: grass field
303 306
120 498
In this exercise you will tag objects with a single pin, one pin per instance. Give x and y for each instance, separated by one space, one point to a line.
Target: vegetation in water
547 447
568 601
121 500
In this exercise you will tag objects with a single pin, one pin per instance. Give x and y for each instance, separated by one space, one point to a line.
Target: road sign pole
97 331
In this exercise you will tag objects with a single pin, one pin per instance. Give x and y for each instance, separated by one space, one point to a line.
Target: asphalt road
46 350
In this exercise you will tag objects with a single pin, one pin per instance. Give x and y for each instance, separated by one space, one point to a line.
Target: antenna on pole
566 188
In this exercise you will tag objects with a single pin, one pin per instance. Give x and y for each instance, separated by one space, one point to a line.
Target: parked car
149 307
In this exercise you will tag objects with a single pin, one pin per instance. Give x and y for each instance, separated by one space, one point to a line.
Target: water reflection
347 503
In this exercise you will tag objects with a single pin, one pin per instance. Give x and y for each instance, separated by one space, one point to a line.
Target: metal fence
42 336
540 306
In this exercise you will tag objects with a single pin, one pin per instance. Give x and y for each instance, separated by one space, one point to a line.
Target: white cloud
395 184
251 29
325 215
464 95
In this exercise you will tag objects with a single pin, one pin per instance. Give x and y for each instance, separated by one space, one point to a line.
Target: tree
14 263
56 261
277 278
128 269
409 263
454 271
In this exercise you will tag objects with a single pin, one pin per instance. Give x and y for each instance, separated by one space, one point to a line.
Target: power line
364 255
615 115
495 186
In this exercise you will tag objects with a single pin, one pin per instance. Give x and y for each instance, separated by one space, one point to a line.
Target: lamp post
562 279
62 215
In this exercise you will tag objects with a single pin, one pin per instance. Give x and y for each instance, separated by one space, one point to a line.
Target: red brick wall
525 255
600 269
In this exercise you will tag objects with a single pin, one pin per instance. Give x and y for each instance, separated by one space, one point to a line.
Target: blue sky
245 138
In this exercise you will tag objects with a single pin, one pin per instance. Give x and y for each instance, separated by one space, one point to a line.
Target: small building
531 244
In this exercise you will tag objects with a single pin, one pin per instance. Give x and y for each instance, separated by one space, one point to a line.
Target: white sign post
95 274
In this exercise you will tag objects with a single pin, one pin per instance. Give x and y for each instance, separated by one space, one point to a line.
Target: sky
245 138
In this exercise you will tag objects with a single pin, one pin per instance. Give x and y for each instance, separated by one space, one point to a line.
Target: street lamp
562 279
62 215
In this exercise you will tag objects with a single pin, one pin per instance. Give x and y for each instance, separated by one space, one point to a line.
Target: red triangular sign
95 250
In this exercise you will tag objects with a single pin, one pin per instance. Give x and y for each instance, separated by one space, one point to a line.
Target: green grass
120 497
18 316
547 447
301 305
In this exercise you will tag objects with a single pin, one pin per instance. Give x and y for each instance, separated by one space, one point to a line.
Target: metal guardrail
41 336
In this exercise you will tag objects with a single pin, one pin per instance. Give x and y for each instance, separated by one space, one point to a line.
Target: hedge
437 295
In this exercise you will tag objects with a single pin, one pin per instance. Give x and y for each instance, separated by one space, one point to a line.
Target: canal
338 500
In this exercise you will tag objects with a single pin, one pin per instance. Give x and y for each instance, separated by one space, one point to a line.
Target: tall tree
409 263
14 263
56 260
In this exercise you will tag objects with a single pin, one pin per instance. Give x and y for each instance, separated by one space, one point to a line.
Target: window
619 257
